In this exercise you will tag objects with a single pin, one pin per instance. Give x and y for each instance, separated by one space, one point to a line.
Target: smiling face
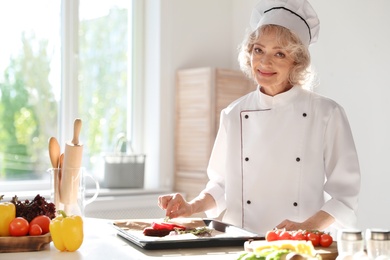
271 64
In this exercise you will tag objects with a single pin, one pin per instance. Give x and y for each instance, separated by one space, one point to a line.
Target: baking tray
223 235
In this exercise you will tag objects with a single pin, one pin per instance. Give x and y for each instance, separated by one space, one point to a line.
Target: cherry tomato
19 227
326 240
43 221
305 233
271 236
314 238
285 235
298 235
35 230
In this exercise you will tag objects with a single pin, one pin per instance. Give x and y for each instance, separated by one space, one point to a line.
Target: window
62 60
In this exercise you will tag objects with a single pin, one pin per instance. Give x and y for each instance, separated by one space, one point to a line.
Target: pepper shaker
350 244
378 243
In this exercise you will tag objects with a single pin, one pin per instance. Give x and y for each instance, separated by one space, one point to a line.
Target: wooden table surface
102 242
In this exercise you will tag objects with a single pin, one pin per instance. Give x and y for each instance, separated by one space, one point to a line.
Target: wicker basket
124 171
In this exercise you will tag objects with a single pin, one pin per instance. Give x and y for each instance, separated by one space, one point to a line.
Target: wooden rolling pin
70 179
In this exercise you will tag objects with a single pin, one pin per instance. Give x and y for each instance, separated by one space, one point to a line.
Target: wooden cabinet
201 94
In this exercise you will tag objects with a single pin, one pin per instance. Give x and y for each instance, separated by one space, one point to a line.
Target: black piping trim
281 7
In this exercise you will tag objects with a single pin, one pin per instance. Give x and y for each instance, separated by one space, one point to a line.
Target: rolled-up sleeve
342 171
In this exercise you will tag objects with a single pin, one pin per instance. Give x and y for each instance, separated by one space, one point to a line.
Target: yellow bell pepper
7 214
67 232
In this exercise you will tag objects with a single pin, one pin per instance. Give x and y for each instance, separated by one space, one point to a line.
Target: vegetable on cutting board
262 249
167 226
316 237
7 214
67 232
161 229
19 227
43 222
36 207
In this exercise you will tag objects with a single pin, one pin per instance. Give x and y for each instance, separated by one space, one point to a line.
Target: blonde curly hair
292 44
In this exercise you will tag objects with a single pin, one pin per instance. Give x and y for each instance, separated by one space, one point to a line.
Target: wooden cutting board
328 253
24 244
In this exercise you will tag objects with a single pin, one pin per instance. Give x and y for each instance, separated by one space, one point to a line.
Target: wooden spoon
57 181
61 161
54 152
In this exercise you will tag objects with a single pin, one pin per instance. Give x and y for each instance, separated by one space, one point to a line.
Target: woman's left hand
318 221
291 225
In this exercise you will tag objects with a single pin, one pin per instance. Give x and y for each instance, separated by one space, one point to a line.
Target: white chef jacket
283 157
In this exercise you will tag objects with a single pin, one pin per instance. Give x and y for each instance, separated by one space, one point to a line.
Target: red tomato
271 236
19 227
298 235
314 238
43 221
326 240
305 233
35 230
285 235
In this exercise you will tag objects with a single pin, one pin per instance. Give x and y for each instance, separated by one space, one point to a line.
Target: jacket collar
282 99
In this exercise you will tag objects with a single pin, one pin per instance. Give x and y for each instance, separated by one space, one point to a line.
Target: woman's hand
175 205
291 225
319 221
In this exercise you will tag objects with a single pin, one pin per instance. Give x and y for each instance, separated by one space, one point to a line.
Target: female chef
284 156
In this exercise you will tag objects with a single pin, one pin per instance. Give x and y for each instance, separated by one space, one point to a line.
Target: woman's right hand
175 205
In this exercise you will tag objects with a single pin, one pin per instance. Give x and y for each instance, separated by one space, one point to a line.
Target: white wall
351 59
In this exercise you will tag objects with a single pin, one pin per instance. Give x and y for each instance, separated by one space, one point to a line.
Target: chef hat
296 15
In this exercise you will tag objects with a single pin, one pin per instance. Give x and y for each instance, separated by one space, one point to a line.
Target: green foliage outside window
28 108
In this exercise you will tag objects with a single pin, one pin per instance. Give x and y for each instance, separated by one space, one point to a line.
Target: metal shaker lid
378 234
350 235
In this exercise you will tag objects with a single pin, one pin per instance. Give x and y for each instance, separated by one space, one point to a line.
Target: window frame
68 110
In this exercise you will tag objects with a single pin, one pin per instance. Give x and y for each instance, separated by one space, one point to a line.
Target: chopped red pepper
167 226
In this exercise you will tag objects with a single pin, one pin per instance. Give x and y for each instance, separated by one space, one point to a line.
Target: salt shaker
350 244
378 243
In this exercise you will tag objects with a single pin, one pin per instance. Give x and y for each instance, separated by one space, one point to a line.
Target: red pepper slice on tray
149 231
166 226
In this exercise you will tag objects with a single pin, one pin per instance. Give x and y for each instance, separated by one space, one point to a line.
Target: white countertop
102 242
